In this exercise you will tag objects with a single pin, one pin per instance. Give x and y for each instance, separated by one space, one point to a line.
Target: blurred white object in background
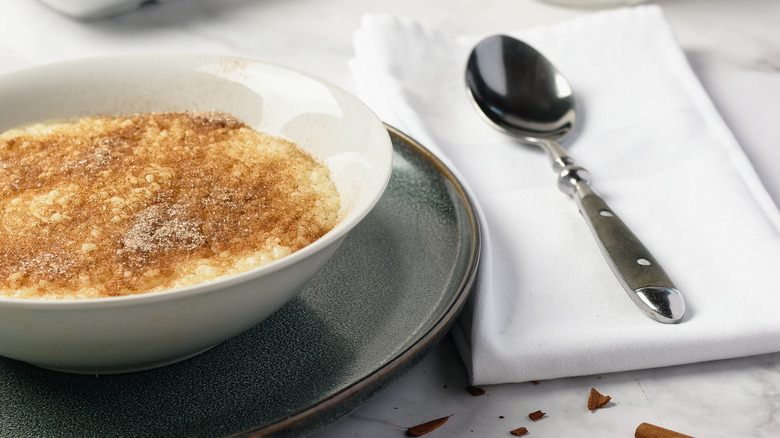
96 9
592 3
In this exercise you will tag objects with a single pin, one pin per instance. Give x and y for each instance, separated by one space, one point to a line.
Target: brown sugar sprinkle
476 391
123 205
596 400
520 431
427 427
159 228
536 415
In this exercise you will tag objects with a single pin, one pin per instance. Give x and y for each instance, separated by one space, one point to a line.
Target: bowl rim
333 236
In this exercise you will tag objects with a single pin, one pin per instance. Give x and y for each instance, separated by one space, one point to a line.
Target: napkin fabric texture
546 304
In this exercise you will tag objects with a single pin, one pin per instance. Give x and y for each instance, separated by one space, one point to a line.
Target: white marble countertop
734 48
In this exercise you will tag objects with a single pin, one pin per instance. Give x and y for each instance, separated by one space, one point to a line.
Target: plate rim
382 377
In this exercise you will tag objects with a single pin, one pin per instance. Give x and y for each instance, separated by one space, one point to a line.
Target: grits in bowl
112 206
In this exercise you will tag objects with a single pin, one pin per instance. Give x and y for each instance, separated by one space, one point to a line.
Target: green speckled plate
389 294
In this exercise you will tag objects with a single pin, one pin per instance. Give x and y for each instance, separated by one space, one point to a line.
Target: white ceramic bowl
95 9
130 333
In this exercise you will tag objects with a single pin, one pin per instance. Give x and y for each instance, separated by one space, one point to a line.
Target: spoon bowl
536 102
521 93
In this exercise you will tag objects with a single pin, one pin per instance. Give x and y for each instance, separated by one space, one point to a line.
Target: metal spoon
522 94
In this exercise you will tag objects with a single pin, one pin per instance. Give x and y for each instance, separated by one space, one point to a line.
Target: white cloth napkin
546 303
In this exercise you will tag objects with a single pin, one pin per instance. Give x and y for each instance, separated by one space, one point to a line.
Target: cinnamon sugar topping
114 206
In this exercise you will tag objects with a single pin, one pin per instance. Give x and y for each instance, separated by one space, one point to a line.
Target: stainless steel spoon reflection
522 94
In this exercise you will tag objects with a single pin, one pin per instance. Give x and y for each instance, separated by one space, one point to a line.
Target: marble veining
737 397
734 48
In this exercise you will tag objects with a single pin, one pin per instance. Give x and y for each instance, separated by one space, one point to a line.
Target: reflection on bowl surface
130 331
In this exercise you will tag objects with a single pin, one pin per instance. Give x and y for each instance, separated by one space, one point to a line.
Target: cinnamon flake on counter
596 400
520 431
476 391
424 428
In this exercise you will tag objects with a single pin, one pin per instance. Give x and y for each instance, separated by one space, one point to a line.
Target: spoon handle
642 277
